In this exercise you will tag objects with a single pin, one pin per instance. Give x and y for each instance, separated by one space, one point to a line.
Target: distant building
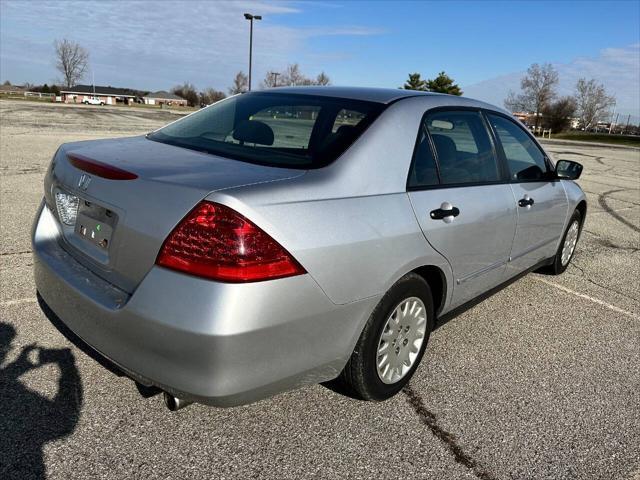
528 118
12 89
522 116
164 98
108 95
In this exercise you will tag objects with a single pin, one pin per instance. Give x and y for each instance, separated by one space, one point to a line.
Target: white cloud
153 45
617 68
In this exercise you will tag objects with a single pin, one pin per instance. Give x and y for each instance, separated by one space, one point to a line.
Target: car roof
370 94
379 95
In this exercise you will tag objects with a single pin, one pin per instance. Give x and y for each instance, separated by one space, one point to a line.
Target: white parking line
587 297
18 301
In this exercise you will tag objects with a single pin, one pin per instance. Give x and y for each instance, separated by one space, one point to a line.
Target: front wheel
568 245
392 343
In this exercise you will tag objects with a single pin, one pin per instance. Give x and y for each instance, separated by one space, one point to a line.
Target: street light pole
275 78
611 122
251 18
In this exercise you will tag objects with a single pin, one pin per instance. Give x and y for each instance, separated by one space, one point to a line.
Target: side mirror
568 170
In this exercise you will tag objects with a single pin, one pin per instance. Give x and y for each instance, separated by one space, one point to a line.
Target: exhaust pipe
174 403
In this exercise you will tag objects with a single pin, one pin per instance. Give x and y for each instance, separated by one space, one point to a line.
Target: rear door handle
446 212
526 201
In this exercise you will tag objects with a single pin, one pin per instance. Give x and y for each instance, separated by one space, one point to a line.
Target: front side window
463 148
525 159
273 129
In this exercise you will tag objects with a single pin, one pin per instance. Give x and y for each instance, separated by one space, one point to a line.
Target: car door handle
445 212
526 201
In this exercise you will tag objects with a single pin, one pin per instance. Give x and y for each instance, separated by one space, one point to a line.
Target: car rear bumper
215 343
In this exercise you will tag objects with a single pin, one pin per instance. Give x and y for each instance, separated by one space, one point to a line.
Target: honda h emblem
84 181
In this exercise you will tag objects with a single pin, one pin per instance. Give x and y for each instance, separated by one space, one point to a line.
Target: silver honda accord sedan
296 236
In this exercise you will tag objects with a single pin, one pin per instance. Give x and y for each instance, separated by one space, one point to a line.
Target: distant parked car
230 255
93 101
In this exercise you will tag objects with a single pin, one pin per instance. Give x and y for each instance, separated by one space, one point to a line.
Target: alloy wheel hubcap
401 340
569 243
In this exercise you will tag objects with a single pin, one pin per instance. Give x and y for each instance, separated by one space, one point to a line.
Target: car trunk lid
123 221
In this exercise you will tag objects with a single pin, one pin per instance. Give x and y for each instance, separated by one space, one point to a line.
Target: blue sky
484 45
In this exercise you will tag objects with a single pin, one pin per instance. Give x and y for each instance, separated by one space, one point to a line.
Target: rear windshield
274 129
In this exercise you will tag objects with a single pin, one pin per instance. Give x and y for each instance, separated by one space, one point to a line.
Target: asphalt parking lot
542 380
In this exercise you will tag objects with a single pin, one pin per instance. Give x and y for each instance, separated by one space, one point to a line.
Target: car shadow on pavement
28 419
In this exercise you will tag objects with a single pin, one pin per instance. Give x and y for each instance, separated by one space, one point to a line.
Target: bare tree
71 61
538 89
593 102
323 79
271 80
210 95
240 84
293 76
188 92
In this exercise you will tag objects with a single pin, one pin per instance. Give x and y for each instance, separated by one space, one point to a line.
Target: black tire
360 379
556 268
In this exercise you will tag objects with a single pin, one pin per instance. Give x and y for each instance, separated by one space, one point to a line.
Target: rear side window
463 149
274 129
347 118
424 172
525 159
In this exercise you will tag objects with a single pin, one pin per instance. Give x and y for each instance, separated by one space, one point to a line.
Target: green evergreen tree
415 83
443 83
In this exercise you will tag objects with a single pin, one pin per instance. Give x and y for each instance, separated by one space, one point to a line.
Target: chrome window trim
500 157
547 161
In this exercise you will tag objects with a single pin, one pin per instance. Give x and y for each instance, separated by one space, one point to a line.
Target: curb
558 141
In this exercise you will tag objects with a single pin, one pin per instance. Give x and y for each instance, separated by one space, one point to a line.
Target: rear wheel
568 245
392 343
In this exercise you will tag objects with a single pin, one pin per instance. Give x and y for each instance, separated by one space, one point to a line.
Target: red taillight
216 242
99 169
